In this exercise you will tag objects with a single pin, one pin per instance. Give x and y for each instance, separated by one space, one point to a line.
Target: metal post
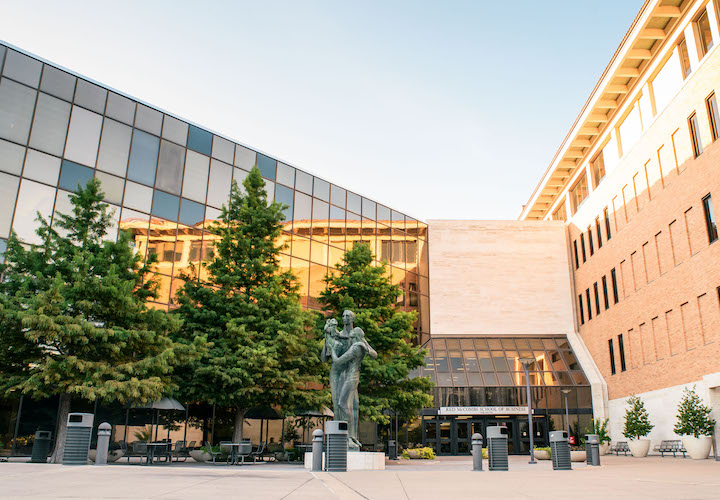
103 443
187 416
212 432
317 450
567 412
127 422
17 425
477 451
526 364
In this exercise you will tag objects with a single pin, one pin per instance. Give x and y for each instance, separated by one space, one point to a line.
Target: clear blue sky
439 109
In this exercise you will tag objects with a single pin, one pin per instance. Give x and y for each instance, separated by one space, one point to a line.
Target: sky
439 109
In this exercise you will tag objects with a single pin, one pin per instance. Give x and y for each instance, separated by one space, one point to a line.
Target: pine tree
693 417
262 353
368 292
637 420
86 330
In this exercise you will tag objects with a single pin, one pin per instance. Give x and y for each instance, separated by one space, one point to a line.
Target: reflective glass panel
354 203
58 83
200 140
138 196
267 166
175 130
73 175
8 194
148 119
22 68
120 108
112 186
441 361
285 174
2 60
239 176
270 191
83 136
166 206
191 213
32 198
143 158
219 183
50 125
302 207
223 150
320 212
16 108
170 167
197 167
337 196
368 208
321 189
285 195
114 148
244 157
11 157
90 96
303 182
42 167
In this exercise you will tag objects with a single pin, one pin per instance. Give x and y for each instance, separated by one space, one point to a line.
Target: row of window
621 351
591 239
596 293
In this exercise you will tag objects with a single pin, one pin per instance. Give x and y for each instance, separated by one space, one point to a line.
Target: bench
621 447
670 446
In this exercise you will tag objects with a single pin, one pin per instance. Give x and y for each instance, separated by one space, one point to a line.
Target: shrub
426 453
693 418
599 427
637 420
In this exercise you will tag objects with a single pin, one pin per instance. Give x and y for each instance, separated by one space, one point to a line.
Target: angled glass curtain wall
168 179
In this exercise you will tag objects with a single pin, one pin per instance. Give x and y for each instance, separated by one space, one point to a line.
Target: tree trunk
59 451
239 420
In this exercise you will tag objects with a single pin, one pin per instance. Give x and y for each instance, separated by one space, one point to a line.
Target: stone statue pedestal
356 460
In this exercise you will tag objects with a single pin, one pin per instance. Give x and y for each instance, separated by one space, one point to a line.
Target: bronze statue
346 348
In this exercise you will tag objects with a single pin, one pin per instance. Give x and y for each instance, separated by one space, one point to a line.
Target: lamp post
526 362
567 413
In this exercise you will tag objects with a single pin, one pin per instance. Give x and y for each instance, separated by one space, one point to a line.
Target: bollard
317 450
477 451
103 443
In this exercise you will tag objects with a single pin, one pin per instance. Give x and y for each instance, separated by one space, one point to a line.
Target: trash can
560 450
392 450
41 447
592 449
77 439
497 437
336 446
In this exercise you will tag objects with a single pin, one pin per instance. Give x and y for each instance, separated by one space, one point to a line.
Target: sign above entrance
483 410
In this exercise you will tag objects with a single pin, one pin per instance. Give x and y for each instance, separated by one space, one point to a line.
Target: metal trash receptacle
41 447
497 438
336 446
77 439
560 450
392 450
592 449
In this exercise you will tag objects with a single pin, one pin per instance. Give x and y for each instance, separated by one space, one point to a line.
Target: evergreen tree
693 417
81 324
368 292
262 353
637 420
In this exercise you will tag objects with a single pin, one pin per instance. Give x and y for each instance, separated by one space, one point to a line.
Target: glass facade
168 179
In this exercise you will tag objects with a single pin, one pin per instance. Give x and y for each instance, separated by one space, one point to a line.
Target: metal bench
673 446
621 447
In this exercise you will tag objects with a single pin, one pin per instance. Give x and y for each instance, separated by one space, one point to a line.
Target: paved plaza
446 478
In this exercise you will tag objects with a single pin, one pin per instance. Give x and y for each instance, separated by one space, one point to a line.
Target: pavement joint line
343 482
403 486
297 488
323 483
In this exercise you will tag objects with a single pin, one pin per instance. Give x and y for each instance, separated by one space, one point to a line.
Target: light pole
526 362
567 413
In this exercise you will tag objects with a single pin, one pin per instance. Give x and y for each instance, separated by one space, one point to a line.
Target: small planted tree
637 420
693 418
599 427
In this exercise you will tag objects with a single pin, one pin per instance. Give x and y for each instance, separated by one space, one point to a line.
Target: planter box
639 447
542 454
200 456
578 456
604 447
698 448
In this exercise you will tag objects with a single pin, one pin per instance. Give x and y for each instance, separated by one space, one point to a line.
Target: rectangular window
694 127
612 356
710 219
684 59
705 41
560 213
597 299
606 214
613 277
621 350
589 304
599 233
713 114
590 241
582 246
605 293
597 168
577 261
579 192
582 312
